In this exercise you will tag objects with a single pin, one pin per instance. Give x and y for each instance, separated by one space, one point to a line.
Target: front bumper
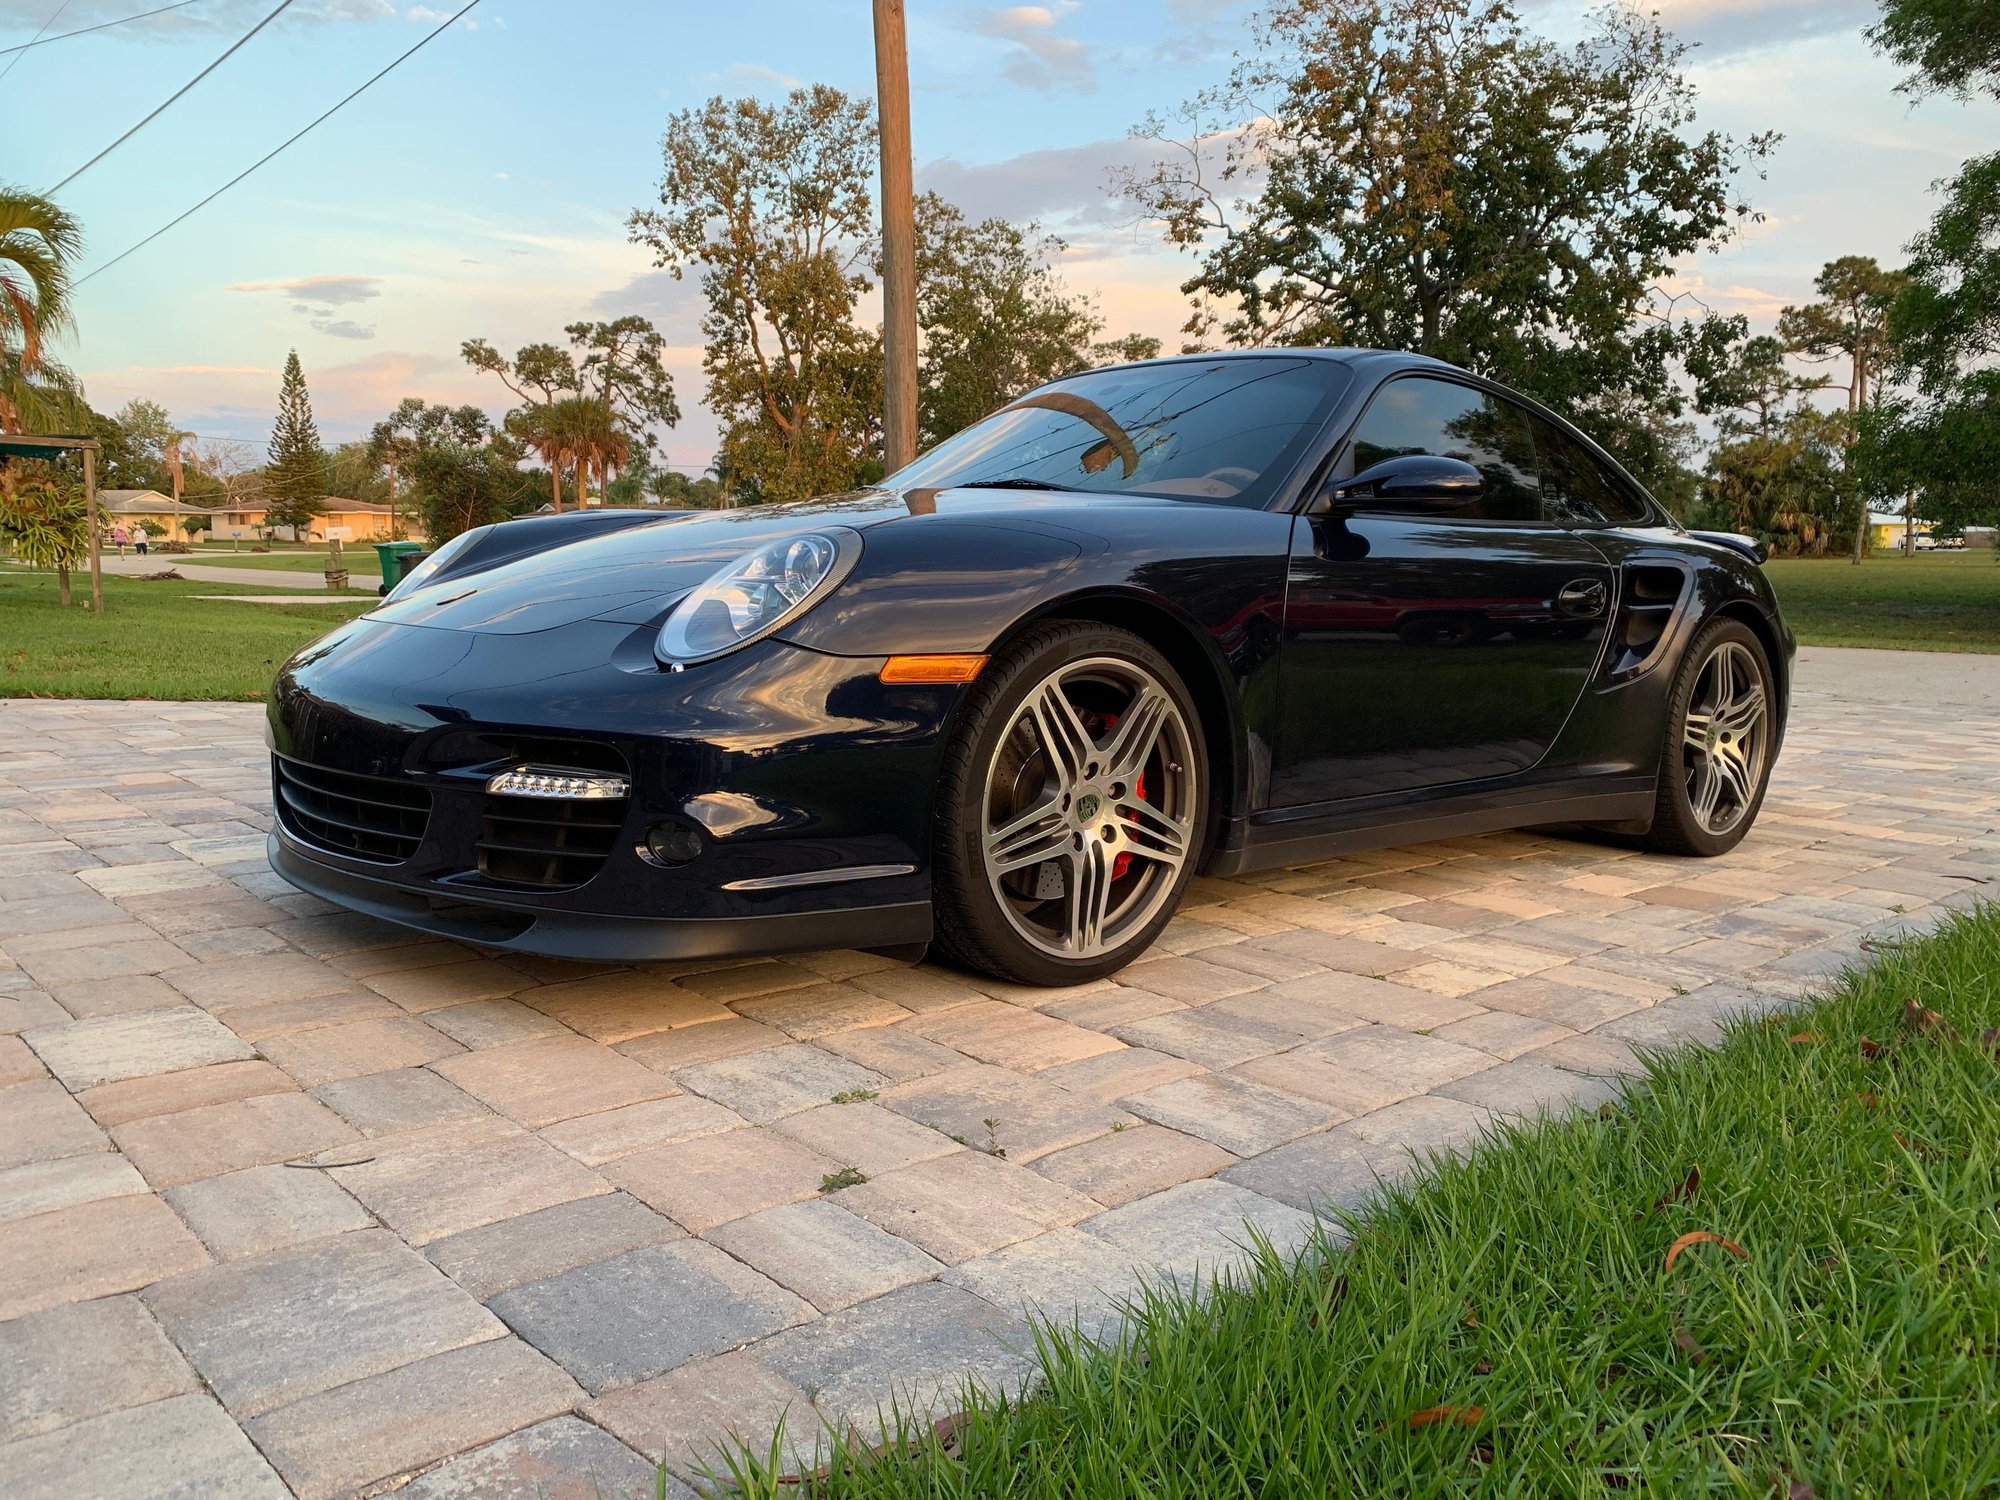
799 783
603 939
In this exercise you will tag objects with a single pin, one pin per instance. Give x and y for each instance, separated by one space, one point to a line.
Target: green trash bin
393 556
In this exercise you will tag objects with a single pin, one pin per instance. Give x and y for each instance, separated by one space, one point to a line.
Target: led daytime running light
544 781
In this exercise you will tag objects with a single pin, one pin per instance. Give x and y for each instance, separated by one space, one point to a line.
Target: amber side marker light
911 670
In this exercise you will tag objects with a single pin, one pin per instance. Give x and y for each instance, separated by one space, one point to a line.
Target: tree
354 471
538 375
1946 322
462 472
47 520
770 204
38 241
296 477
1776 471
994 318
622 367
589 436
1429 175
1126 350
1851 322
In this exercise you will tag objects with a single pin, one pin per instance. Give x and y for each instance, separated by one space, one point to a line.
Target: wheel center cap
1087 807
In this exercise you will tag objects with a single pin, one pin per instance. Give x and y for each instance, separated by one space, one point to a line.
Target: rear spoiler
1735 541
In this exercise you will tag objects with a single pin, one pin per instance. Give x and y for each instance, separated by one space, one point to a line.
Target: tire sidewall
990 718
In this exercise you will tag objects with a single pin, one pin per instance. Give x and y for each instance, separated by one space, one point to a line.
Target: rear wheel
1721 733
1074 794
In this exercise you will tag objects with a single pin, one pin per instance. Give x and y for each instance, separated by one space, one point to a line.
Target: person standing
120 536
140 536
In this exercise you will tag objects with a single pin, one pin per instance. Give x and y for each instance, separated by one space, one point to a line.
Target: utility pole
899 239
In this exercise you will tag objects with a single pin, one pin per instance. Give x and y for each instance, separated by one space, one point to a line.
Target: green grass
1934 601
154 640
358 560
1518 1306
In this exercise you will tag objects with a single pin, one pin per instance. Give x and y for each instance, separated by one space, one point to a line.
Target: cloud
325 291
233 16
1722 27
199 370
1038 58
1061 185
748 78
342 328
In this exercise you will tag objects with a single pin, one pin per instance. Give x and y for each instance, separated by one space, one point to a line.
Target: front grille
367 817
549 843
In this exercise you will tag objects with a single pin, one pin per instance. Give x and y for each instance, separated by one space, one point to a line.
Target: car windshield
1224 430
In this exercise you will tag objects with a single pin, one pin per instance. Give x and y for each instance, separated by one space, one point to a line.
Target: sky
481 189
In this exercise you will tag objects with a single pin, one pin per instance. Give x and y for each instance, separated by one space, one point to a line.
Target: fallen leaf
1681 1194
1925 1021
1690 1346
1873 1050
1792 1489
1484 1367
1807 1036
1989 1041
1866 1100
1702 1237
1464 1416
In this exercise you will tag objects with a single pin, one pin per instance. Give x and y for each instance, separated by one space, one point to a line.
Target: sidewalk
131 564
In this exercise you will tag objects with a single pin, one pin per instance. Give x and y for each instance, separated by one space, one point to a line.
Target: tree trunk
62 586
582 478
1910 524
555 482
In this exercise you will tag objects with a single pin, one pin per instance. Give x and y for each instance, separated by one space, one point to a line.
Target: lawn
1774 1270
358 560
155 640
1934 601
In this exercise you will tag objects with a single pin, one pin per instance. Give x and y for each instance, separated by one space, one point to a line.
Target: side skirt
1303 836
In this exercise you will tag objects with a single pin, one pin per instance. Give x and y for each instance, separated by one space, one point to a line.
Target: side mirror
1413 481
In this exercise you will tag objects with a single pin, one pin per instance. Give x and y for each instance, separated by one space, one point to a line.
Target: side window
1577 489
1420 415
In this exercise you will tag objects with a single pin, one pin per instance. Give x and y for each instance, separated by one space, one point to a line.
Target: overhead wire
283 145
37 37
44 41
234 47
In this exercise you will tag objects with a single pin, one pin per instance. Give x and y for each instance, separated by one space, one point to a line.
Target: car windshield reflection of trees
1160 430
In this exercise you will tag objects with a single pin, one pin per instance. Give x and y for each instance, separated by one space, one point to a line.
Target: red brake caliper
1123 862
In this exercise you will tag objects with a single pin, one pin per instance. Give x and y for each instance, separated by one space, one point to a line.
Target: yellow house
164 518
1885 529
363 520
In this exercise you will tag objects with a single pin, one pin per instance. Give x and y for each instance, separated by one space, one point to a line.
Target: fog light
551 781
671 844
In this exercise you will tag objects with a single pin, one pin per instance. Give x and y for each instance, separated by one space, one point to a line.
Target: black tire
1678 826
971 924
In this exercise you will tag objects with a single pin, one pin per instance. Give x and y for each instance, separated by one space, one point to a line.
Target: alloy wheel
1726 737
1089 807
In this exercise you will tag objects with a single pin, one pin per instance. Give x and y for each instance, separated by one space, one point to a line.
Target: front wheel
1070 813
1721 738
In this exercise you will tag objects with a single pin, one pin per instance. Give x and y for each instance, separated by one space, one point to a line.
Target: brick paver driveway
292 1199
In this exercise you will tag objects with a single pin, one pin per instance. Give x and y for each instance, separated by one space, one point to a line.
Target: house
1885 529
364 521
165 518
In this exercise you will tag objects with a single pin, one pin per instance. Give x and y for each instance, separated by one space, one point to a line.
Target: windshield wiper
1018 484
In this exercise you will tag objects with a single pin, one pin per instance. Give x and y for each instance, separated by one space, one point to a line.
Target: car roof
1335 354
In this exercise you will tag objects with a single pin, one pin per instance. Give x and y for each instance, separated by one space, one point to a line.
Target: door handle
1583 598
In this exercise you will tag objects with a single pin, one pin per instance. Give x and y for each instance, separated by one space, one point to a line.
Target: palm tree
37 243
536 428
587 432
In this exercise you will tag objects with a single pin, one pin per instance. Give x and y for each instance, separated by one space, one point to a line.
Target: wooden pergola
24 445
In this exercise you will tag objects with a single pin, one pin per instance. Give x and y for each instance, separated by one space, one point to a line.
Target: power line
234 47
38 36
426 41
42 41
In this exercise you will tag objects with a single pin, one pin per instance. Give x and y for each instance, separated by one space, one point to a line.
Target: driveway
190 568
295 1202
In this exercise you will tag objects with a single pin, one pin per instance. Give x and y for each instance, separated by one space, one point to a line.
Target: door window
1577 489
1420 415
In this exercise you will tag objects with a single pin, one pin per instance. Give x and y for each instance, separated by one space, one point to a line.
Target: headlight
756 594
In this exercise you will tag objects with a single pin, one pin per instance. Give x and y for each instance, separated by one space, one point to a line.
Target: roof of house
144 502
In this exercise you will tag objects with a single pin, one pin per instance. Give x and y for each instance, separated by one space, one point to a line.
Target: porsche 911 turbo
1208 614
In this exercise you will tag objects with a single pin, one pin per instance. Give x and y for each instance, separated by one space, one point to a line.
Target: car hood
634 575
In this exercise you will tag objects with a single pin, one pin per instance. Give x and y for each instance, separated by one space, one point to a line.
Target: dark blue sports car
1211 613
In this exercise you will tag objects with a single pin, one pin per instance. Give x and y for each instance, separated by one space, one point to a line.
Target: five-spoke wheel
1721 735
1074 807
